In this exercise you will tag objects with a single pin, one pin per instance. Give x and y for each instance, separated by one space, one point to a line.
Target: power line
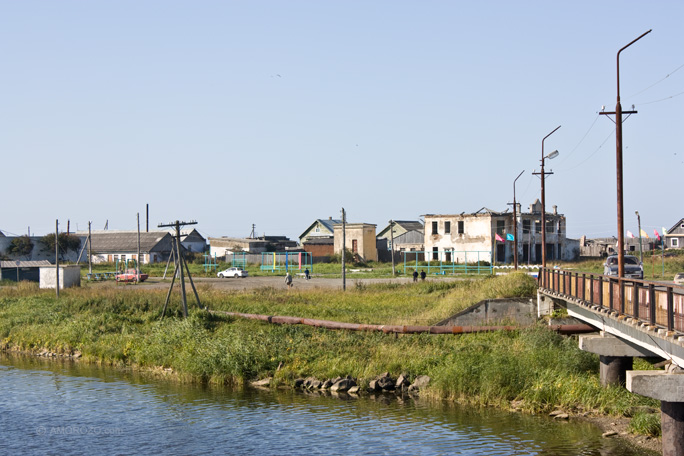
592 154
581 140
662 99
657 82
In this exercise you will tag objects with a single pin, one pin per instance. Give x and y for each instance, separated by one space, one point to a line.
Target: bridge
635 318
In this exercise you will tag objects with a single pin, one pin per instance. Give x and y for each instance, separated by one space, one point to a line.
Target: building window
500 226
560 226
675 242
447 227
461 227
526 227
317 229
435 253
549 226
434 228
537 226
355 246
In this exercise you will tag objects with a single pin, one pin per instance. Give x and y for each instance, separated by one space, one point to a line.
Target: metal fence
653 303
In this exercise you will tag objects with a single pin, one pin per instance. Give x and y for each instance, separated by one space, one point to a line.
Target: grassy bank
538 369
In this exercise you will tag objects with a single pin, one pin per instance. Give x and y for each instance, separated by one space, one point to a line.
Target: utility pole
344 246
147 218
137 261
57 255
543 196
515 224
180 263
392 246
90 251
641 253
618 164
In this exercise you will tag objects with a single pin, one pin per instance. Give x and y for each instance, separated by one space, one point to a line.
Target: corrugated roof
127 241
25 264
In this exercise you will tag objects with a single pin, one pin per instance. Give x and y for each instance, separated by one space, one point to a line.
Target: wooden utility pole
344 246
394 273
90 251
179 264
137 261
57 256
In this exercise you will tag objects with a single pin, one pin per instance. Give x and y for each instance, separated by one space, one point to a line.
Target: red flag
498 238
656 234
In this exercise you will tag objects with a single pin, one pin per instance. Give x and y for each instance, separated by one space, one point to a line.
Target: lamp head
552 155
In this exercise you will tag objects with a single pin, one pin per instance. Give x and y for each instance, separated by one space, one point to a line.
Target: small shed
69 276
22 270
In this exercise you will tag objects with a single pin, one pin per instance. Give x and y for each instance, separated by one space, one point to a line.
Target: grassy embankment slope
538 369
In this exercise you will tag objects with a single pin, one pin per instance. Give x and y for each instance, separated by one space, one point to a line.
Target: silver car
232 272
633 267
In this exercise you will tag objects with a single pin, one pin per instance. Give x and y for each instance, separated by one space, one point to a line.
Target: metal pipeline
399 329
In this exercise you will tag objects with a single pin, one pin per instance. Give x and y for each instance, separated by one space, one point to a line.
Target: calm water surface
61 407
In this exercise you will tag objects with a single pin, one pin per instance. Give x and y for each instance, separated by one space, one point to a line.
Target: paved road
299 283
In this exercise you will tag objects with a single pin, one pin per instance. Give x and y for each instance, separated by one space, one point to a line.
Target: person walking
422 275
415 275
288 280
306 274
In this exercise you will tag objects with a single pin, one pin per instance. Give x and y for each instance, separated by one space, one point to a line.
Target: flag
644 234
656 234
629 234
509 237
498 238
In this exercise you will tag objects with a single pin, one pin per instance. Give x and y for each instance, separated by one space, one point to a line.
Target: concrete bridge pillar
613 369
615 355
668 388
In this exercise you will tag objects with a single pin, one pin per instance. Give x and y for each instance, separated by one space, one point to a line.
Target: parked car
232 272
633 267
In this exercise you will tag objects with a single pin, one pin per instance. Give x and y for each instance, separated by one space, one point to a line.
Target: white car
232 272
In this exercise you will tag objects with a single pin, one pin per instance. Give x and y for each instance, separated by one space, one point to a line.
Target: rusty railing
655 303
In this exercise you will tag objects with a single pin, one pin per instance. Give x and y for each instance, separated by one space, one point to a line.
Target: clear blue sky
280 112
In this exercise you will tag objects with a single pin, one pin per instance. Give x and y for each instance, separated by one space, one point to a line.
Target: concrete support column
672 427
668 388
613 369
616 356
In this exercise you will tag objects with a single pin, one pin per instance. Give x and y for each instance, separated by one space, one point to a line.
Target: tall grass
116 326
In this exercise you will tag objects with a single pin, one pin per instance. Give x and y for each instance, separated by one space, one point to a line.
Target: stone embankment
383 383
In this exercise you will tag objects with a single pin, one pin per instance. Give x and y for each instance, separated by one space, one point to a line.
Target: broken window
434 228
500 226
435 253
526 226
461 227
447 227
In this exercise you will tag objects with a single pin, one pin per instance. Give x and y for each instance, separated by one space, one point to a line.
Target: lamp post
618 160
641 253
515 224
552 155
394 273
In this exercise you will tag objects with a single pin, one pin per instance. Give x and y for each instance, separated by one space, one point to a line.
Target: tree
67 243
21 246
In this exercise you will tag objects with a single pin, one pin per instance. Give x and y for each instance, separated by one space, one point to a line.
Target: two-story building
488 235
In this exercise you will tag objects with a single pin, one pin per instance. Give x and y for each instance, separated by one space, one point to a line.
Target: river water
65 408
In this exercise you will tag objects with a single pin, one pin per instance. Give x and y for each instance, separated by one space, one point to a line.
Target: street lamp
552 155
618 159
641 253
515 224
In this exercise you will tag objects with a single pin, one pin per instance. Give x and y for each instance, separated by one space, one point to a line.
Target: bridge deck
649 314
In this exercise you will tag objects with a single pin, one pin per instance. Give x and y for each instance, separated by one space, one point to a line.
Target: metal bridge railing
655 303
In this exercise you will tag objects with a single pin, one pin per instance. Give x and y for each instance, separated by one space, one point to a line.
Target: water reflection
61 407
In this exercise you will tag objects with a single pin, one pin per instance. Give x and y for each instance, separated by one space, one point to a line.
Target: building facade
674 239
360 239
488 235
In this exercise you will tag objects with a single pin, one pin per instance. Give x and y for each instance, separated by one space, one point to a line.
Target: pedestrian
422 274
288 280
306 274
415 275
